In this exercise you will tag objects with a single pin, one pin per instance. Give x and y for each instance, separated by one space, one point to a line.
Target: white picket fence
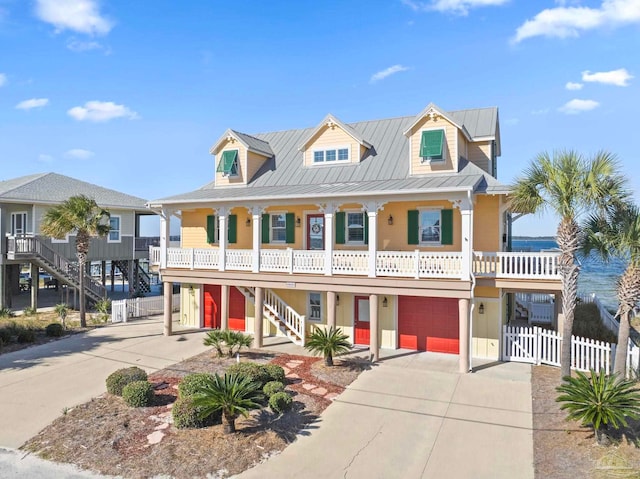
540 346
125 309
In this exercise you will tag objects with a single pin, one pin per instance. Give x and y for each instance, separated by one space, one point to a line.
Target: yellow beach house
394 230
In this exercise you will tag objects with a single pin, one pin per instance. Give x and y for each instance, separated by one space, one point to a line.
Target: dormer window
228 164
432 145
331 155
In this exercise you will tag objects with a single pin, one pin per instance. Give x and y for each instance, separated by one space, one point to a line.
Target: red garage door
428 324
212 294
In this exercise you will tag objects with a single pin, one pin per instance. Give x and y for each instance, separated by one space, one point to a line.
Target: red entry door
212 306
361 324
236 309
315 231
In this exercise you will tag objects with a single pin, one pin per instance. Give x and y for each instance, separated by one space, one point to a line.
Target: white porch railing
293 322
539 307
401 264
125 309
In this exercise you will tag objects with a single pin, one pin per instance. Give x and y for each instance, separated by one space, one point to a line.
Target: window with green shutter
265 228
430 227
340 219
432 145
446 230
228 164
290 228
211 229
412 227
232 229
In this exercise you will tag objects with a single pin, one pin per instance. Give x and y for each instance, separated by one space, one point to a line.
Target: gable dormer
435 141
331 143
238 157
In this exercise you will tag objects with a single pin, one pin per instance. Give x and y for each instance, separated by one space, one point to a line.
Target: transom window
331 155
278 226
314 307
355 227
114 231
429 226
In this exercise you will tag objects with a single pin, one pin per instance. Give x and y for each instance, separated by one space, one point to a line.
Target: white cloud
618 77
563 21
576 106
82 16
381 75
79 154
573 86
45 158
101 111
460 7
32 103
3 79
76 45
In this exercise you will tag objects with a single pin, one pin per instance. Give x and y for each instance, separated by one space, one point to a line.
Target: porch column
168 307
224 307
259 301
222 241
133 285
256 217
466 212
331 309
3 284
103 276
165 235
328 210
113 275
465 335
374 345
35 283
373 241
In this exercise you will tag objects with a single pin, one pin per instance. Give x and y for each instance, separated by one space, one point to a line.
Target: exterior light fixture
390 220
481 308
298 222
337 300
385 303
248 222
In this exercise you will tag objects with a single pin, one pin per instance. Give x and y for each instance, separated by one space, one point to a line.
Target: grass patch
588 324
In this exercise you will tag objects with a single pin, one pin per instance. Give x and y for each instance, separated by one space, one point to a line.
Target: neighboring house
23 203
394 230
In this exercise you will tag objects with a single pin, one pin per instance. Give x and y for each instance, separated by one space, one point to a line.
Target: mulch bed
565 450
106 436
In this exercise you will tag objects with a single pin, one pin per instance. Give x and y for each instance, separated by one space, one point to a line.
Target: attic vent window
432 145
228 164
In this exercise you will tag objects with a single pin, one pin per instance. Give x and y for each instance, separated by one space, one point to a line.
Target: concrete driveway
37 383
414 416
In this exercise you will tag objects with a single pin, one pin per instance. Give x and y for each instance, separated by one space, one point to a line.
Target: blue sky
131 95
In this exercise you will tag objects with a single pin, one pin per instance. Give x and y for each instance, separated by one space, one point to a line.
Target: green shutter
340 227
290 224
366 228
431 144
446 227
413 236
211 229
226 161
265 228
233 229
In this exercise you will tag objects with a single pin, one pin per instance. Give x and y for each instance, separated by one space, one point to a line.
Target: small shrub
26 335
138 394
54 330
215 339
276 373
328 342
237 340
272 387
61 309
120 378
257 373
5 335
29 311
280 402
191 383
188 415
6 313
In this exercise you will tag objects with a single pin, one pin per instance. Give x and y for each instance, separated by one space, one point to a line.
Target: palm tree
569 185
232 394
82 215
617 234
328 342
600 401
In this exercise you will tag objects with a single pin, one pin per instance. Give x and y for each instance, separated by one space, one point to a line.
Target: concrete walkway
414 416
37 383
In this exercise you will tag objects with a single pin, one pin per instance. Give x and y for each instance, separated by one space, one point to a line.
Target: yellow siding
486 224
480 154
190 305
194 228
450 150
332 137
463 146
486 328
254 162
241 179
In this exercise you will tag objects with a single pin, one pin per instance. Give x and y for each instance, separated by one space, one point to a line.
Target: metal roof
384 167
52 188
250 143
328 120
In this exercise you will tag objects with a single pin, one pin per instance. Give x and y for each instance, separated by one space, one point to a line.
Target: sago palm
232 394
328 343
616 233
80 215
568 185
599 401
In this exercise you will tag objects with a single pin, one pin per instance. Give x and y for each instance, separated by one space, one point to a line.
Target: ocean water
595 275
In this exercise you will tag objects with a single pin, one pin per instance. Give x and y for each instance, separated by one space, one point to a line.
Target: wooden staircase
280 314
143 284
32 249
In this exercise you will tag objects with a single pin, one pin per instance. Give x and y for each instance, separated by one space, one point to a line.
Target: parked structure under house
23 203
394 230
